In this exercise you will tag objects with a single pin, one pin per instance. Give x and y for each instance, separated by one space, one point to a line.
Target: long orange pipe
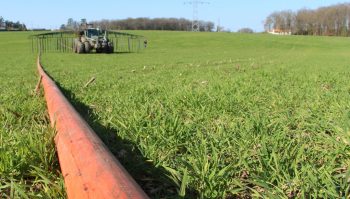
88 167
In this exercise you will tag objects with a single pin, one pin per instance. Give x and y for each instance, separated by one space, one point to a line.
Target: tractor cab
92 32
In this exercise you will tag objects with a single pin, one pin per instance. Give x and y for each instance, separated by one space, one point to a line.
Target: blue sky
233 14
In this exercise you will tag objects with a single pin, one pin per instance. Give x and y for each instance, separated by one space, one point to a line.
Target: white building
280 32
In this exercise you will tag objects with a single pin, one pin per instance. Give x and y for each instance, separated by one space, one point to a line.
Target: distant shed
280 32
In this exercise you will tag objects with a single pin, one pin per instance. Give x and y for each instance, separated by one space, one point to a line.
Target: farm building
280 32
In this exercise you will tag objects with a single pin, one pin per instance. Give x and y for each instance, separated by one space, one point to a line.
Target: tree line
180 24
245 30
324 21
10 25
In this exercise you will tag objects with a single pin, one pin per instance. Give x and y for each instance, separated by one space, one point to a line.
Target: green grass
208 115
223 115
28 164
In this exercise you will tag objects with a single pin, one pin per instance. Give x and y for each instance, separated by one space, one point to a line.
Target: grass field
197 115
28 164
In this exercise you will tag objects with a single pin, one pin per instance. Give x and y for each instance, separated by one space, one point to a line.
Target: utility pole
195 20
219 26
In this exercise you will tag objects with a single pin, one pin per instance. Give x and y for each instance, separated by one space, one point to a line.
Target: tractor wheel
75 46
105 49
110 49
80 48
87 47
98 50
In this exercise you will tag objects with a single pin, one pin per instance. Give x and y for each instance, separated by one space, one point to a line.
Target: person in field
145 42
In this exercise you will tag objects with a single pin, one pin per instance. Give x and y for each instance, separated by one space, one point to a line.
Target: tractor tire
105 49
98 50
75 46
87 47
80 48
110 49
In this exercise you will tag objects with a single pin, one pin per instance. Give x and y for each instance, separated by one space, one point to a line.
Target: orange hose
89 169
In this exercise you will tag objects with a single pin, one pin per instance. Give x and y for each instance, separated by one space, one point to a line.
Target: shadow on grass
153 180
113 53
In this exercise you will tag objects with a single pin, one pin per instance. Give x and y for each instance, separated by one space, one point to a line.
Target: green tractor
86 40
92 39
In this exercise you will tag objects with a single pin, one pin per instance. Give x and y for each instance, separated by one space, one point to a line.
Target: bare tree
63 27
245 30
72 24
2 22
152 24
10 25
331 20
